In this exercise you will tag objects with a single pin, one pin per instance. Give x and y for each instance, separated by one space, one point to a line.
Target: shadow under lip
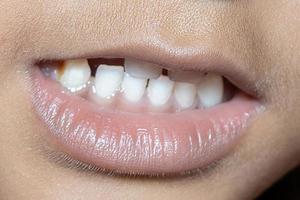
62 159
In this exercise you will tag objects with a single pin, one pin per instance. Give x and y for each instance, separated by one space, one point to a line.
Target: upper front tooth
133 88
108 80
186 76
75 74
160 90
140 69
210 90
185 94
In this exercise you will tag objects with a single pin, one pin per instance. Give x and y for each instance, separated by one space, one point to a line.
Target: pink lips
140 142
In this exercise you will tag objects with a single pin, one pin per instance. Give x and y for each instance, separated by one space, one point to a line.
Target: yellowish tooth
74 74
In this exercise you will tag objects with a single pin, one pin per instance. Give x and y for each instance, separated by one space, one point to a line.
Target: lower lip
140 142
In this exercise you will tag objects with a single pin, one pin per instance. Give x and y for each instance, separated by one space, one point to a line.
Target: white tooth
210 90
108 80
133 88
160 90
140 69
185 76
76 73
185 94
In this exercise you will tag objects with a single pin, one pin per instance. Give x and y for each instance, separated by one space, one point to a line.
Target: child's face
253 44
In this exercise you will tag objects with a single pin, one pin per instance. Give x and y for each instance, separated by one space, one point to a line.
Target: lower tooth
160 90
185 94
108 80
210 90
133 88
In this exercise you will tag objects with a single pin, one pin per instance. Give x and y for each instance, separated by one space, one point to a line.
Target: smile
132 114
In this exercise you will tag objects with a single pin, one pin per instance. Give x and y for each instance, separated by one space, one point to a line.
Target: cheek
276 48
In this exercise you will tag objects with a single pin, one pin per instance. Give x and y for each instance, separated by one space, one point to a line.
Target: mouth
134 115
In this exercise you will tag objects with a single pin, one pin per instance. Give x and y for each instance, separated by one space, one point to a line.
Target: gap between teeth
138 82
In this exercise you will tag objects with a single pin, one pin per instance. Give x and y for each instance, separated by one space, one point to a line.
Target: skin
262 35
